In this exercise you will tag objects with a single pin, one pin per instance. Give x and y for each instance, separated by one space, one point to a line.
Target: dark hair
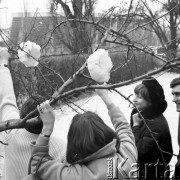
175 82
87 134
143 91
29 106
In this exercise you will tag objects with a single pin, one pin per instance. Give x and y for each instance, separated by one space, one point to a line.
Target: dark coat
149 156
177 167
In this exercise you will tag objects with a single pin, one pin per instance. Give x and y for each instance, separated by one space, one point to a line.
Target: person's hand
136 120
4 55
47 115
102 92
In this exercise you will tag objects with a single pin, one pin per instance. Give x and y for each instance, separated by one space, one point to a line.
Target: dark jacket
177 167
149 156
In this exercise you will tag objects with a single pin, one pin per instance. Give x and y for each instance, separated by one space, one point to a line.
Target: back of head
175 82
87 134
29 106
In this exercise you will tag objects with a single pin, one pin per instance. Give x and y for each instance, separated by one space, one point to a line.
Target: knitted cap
156 92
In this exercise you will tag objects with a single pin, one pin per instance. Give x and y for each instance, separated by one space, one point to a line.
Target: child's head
87 134
29 106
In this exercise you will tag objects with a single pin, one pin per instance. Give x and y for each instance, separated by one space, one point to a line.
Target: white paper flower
99 65
30 54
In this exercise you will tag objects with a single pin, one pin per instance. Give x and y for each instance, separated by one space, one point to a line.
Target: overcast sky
42 5
15 6
18 5
9 7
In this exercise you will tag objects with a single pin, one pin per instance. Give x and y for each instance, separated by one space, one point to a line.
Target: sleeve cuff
35 148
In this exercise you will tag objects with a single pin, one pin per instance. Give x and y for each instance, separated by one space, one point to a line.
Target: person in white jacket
17 152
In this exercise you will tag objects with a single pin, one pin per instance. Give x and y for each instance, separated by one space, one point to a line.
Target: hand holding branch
103 94
47 115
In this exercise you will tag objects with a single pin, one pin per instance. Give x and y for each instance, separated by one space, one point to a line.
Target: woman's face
140 102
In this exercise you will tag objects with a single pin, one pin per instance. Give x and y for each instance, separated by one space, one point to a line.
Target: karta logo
117 167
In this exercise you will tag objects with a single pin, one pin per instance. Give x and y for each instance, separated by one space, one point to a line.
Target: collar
107 151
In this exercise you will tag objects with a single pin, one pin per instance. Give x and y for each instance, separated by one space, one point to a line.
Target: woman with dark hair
94 150
150 102
95 132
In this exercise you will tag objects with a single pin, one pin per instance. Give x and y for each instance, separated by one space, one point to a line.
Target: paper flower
99 65
30 54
